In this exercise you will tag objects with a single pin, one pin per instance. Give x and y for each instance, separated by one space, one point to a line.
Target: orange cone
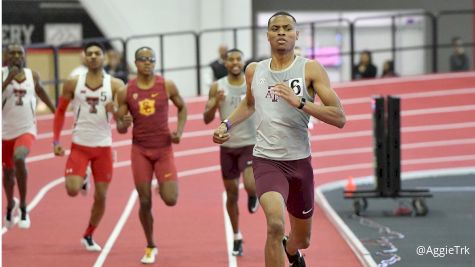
350 185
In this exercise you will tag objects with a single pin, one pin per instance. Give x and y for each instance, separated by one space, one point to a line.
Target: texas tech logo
92 101
19 93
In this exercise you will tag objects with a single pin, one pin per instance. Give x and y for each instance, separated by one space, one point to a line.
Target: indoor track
438 126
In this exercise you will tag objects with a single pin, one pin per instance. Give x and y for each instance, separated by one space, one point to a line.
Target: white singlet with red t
18 106
92 122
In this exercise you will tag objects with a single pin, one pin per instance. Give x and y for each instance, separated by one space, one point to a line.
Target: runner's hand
284 91
221 134
127 120
176 137
13 71
58 150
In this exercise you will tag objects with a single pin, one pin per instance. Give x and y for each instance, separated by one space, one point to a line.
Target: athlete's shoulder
313 64
117 83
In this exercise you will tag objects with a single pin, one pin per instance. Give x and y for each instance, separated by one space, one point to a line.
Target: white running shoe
86 185
150 255
24 223
13 217
89 244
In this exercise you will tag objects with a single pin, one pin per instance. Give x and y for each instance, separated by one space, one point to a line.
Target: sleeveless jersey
149 109
92 122
281 128
243 134
18 106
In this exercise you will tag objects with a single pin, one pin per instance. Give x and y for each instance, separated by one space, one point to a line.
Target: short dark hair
89 44
234 50
281 13
142 48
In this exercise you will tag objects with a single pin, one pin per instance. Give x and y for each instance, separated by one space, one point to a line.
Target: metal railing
432 44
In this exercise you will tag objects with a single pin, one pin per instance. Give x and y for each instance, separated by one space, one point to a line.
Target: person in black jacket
219 70
458 59
365 68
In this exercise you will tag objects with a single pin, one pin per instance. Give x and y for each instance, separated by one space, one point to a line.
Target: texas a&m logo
19 93
271 94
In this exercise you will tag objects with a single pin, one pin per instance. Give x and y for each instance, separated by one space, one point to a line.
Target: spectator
115 66
219 70
458 59
388 69
365 68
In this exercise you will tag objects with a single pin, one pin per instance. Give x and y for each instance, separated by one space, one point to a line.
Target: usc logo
147 107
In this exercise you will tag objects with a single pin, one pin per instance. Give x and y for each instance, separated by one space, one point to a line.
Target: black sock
292 258
9 214
23 213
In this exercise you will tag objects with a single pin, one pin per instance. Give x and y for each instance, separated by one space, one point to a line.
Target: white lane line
462 91
66 132
429 78
228 230
408 129
423 128
417 112
117 229
128 209
39 196
355 244
339 86
193 99
359 150
369 165
437 127
199 116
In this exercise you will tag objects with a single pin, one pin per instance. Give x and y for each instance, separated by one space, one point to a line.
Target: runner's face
282 33
94 57
234 63
145 62
16 56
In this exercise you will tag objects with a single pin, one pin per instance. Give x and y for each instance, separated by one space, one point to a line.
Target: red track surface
438 129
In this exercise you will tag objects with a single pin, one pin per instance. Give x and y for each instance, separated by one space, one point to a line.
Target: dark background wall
24 21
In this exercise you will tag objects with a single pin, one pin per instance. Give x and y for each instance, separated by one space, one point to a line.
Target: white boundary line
355 244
